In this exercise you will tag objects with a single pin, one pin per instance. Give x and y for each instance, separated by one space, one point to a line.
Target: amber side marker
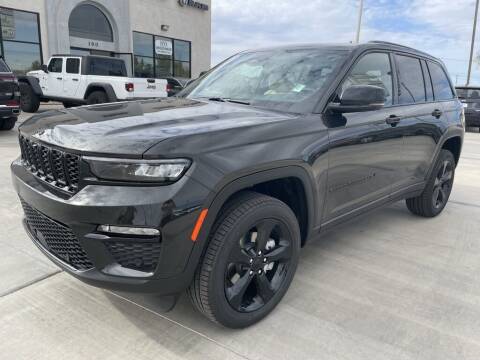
198 224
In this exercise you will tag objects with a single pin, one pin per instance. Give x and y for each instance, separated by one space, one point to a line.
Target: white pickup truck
78 80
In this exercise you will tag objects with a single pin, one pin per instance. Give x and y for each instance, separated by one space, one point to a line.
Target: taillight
129 87
12 102
169 87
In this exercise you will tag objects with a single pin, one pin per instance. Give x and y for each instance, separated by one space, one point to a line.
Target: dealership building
156 38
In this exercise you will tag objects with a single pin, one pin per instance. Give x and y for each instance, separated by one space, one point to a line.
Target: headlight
138 170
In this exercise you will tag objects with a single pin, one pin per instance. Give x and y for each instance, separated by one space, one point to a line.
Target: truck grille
56 238
141 256
53 166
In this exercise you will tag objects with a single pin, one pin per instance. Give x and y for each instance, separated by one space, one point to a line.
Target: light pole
472 46
359 25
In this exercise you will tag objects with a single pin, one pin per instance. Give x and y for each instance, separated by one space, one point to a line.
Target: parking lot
388 285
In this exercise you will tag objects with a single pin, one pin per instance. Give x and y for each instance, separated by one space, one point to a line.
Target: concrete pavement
385 286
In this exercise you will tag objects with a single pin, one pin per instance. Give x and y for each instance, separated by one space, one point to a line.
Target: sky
442 28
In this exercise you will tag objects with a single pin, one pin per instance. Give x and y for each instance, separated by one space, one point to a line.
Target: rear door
424 114
71 77
365 151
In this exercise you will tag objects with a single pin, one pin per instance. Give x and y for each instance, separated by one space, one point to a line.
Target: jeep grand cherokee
217 190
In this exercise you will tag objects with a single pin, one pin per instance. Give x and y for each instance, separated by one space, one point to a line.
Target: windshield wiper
220 99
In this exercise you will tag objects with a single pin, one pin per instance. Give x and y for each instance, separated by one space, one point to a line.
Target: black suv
470 96
215 191
9 97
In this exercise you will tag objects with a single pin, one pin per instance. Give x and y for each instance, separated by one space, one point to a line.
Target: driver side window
372 69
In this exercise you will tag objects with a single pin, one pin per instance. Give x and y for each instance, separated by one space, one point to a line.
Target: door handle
74 79
437 113
393 120
59 78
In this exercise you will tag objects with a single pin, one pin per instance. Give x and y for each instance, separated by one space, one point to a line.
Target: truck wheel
97 97
249 263
437 192
29 101
8 124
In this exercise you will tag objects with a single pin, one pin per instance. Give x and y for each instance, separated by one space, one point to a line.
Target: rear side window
4 67
410 76
106 67
441 85
372 69
73 66
55 65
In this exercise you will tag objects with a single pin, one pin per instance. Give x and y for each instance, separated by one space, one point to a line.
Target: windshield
277 79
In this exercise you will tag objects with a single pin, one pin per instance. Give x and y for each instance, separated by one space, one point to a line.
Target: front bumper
108 260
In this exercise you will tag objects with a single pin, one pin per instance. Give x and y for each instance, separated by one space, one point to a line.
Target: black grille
56 167
141 256
56 238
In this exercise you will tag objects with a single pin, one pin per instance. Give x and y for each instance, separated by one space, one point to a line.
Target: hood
131 128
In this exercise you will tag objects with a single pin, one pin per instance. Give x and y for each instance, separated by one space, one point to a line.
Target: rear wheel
29 101
249 263
97 97
8 123
437 192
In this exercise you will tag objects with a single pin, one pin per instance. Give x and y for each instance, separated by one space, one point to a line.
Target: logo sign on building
163 47
194 4
8 24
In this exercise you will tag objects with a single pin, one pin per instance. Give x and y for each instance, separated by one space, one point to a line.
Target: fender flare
112 97
451 132
226 188
33 82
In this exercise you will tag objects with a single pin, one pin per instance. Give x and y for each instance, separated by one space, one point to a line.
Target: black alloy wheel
438 188
250 261
257 266
443 185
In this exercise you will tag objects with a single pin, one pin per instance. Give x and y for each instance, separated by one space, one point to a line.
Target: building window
20 40
160 57
89 22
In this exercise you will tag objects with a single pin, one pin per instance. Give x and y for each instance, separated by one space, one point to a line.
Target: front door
53 83
365 150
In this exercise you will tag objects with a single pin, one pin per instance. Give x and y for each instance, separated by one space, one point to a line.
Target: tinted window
142 44
372 69
441 86
473 94
89 22
428 81
106 67
3 67
143 67
55 65
73 66
411 85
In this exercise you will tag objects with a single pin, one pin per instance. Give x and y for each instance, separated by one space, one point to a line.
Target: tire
29 101
235 285
437 191
97 97
8 124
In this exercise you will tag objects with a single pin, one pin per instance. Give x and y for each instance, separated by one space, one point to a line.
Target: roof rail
399 45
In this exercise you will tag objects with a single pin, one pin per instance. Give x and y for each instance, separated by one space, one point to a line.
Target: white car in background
79 80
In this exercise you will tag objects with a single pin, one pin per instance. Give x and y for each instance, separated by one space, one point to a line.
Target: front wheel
437 191
249 263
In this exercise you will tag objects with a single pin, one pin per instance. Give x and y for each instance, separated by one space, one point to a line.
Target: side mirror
358 98
44 68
